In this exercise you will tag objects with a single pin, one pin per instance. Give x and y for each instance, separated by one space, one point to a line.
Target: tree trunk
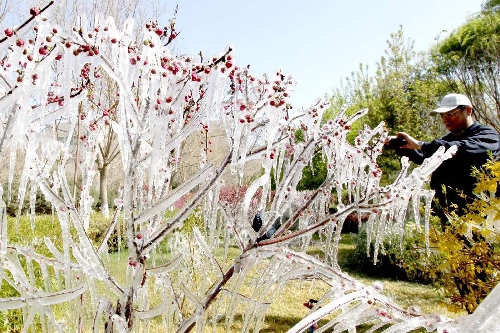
103 191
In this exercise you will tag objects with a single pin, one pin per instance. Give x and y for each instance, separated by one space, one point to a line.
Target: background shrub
42 206
409 261
97 231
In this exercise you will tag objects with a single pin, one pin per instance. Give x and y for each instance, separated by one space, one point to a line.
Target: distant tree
490 5
103 93
401 92
108 147
469 59
406 88
314 174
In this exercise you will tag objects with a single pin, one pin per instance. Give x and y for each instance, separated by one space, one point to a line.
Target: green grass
286 310
428 297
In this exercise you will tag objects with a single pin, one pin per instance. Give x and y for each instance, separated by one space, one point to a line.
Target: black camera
396 143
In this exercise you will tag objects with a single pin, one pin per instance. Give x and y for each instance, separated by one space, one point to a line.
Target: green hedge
409 262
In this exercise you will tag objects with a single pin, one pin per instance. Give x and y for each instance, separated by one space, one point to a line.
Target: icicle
3 230
251 190
32 214
379 234
428 196
326 309
158 310
119 324
174 196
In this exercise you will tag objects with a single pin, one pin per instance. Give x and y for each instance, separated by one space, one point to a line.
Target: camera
396 143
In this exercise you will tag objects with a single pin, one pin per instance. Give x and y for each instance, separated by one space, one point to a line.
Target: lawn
286 310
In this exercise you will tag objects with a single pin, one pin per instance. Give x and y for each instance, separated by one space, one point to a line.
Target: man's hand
411 142
393 142
402 140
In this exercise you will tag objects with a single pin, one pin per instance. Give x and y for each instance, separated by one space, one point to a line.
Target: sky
317 42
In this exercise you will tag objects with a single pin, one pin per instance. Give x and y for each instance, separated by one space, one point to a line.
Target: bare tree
106 99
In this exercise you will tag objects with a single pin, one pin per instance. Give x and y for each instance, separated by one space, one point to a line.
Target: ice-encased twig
325 310
3 227
176 194
42 299
484 319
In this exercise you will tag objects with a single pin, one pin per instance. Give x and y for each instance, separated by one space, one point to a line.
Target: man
452 180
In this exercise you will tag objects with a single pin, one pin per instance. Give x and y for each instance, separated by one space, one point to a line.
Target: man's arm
409 147
479 142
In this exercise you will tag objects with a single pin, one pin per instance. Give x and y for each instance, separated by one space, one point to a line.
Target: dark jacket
475 146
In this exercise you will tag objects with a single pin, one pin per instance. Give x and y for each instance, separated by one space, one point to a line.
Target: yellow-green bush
471 245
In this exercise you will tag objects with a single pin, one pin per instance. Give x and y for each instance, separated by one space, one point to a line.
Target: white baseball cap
451 101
